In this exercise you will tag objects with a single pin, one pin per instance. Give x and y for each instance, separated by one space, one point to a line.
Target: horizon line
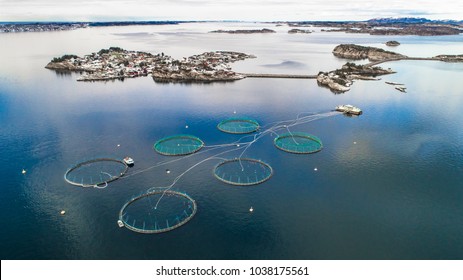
227 20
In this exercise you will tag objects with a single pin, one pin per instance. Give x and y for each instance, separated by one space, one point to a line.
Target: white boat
349 109
128 161
120 223
401 89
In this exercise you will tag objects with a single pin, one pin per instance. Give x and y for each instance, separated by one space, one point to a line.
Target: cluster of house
208 66
40 27
116 63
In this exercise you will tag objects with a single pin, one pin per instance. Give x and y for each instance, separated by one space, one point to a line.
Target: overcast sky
258 10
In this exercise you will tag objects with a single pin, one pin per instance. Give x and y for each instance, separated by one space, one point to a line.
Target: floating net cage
95 172
298 143
238 125
178 145
157 211
243 171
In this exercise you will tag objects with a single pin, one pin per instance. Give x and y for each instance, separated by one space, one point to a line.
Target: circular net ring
103 176
243 171
238 125
298 143
178 145
166 226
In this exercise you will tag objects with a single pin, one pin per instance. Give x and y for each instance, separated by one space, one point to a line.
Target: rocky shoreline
117 63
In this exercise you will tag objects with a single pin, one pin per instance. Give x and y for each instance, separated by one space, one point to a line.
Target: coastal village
35 27
117 63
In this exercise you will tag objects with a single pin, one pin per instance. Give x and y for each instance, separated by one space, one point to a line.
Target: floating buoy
251 209
62 212
315 169
23 172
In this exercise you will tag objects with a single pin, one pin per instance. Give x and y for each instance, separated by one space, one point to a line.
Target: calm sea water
388 184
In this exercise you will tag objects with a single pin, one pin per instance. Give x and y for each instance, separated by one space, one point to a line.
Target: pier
282 76
404 58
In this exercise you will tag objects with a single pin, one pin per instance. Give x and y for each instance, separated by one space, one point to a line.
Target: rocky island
244 31
352 51
392 43
117 63
340 80
299 31
450 58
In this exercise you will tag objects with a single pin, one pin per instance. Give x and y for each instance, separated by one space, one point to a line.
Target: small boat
349 109
120 223
401 89
394 84
128 161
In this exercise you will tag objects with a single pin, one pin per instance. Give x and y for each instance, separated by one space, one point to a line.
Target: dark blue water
388 184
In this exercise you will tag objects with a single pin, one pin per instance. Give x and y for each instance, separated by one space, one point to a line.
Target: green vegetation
111 49
63 58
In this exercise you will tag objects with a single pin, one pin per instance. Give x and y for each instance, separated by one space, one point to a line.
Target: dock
281 76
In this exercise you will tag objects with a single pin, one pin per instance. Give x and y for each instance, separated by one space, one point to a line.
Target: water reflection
388 180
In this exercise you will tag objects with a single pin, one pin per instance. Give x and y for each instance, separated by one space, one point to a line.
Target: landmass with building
117 63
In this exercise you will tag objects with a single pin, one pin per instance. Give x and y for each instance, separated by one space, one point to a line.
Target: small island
352 51
340 80
117 63
244 31
299 31
392 43
449 58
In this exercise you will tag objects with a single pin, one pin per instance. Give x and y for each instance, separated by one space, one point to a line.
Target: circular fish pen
298 143
96 172
238 125
178 145
157 211
243 171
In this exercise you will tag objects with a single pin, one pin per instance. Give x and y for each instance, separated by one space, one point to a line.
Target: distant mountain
410 20
398 20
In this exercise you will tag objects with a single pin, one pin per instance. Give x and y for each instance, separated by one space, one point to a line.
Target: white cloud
93 10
